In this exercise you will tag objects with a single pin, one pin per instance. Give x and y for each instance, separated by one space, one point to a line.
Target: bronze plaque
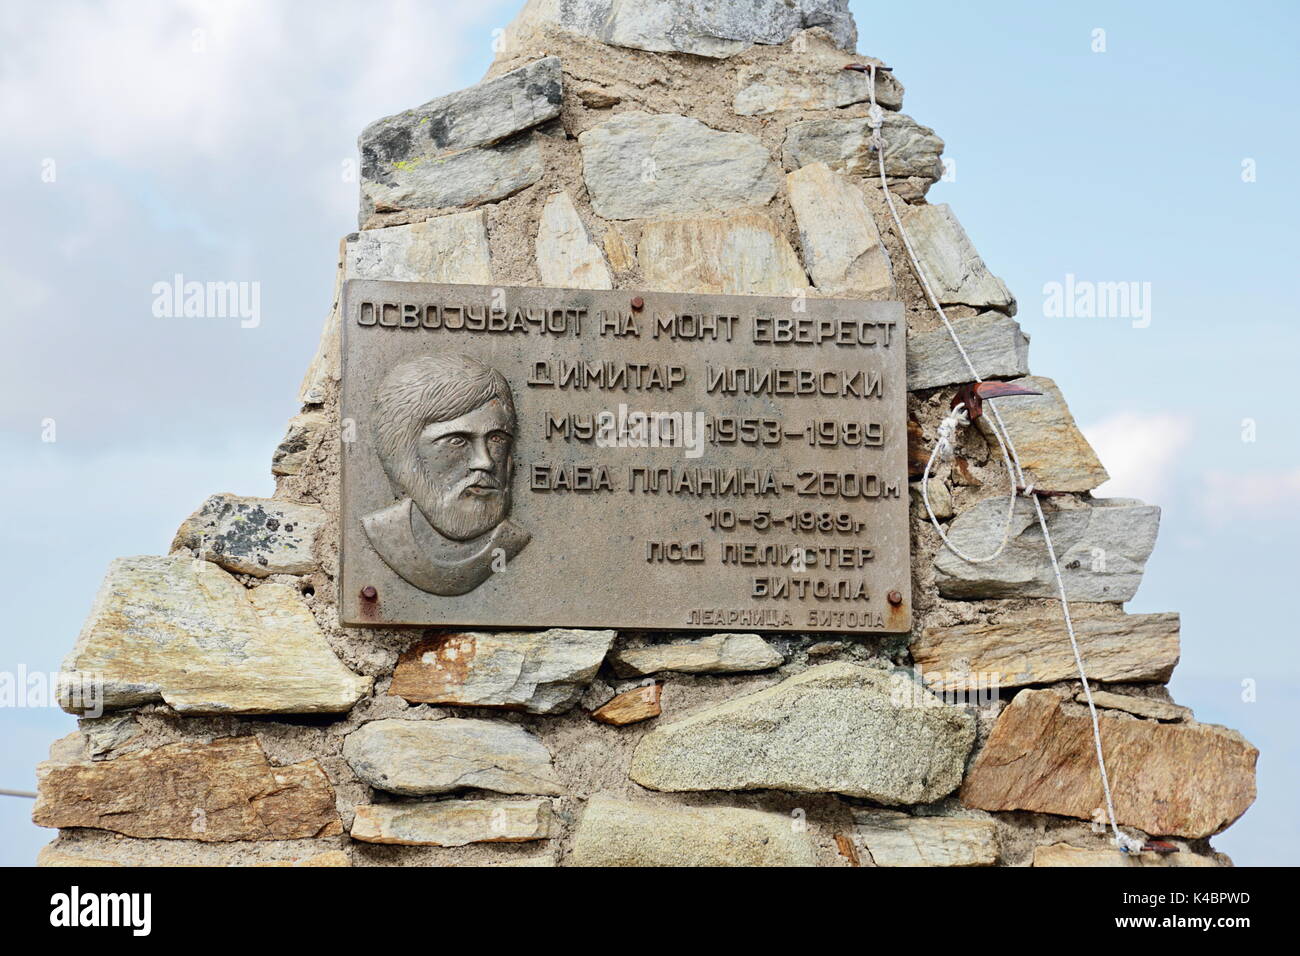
532 457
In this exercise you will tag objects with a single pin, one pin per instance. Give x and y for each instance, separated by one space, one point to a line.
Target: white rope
945 445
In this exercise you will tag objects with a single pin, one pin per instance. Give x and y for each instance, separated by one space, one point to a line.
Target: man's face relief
465 467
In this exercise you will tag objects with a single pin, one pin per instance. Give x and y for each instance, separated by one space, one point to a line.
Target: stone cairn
647 145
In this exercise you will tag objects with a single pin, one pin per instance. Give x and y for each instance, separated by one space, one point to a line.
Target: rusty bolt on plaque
368 593
638 304
894 598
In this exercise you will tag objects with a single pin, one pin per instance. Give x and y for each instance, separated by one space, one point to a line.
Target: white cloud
1139 452
1225 496
160 87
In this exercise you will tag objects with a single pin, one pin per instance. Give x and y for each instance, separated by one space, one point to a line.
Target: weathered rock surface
1062 854
896 839
421 757
836 728
1032 648
617 250
541 672
956 272
106 734
940 499
1151 707
458 150
1102 549
911 150
326 366
301 434
185 632
996 346
451 248
631 706
49 856
841 244
715 654
1189 780
567 258
1053 452
716 30
467 178
453 822
330 858
641 165
739 254
813 80
147 853
622 833
212 792
257 536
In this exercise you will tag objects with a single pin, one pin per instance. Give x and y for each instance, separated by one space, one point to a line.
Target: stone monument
513 650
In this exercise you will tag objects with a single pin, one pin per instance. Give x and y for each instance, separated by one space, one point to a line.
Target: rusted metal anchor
970 400
973 395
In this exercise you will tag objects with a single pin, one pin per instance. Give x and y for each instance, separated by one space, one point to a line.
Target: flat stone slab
955 270
451 248
616 832
841 244
467 178
813 80
567 258
740 254
183 631
302 433
421 757
1040 756
211 792
1102 550
715 654
911 150
1033 648
1053 452
642 165
1151 707
184 853
541 672
836 728
630 707
452 151
896 839
717 30
995 343
453 822
1062 854
257 536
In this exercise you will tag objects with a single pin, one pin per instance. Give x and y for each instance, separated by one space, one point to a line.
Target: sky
1089 143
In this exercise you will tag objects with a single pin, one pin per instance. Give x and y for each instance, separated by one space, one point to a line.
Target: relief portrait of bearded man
444 429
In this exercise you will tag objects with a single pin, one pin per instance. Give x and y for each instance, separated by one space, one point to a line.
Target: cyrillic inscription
526 457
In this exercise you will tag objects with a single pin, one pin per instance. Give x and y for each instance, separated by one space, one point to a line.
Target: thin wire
1015 472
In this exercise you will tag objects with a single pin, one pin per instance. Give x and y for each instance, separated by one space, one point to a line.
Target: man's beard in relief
458 515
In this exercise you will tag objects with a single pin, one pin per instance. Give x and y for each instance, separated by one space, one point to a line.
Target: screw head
894 598
368 593
638 304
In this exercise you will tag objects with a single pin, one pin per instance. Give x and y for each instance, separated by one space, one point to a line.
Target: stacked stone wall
245 726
